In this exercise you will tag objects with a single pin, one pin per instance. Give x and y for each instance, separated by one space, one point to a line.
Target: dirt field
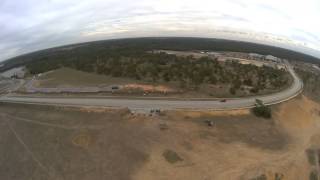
40 142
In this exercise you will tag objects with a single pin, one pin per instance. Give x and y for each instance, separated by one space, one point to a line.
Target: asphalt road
147 104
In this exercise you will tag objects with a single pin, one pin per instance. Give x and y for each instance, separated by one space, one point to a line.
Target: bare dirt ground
40 142
149 88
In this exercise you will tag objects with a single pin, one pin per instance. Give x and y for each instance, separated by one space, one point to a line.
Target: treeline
146 44
136 45
187 71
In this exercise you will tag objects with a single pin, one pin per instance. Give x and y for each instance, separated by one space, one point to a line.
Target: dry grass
113 144
67 77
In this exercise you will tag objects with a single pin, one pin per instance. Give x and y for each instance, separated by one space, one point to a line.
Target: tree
166 76
212 79
232 91
247 82
236 83
182 84
254 90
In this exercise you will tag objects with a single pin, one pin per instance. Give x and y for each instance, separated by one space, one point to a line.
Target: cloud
28 25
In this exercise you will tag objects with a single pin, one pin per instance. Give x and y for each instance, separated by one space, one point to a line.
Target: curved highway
147 104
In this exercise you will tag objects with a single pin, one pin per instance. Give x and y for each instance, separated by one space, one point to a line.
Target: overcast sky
28 25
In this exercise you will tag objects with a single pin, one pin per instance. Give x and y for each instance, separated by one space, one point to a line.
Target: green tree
232 91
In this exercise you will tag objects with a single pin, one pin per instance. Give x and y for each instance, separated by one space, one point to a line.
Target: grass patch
171 156
82 140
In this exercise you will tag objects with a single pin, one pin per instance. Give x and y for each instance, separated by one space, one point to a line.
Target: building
272 58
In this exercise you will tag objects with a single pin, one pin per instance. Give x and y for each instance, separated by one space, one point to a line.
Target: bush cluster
261 110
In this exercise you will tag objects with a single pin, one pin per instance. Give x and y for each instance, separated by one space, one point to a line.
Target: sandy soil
295 122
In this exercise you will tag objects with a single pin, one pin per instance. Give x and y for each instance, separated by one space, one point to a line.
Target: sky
29 25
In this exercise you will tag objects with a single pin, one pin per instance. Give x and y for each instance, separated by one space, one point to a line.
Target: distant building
213 53
255 55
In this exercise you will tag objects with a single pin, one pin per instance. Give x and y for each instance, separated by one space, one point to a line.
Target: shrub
261 110
232 91
311 154
254 90
313 175
171 156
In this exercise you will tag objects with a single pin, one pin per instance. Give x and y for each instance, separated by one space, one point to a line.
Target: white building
271 58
